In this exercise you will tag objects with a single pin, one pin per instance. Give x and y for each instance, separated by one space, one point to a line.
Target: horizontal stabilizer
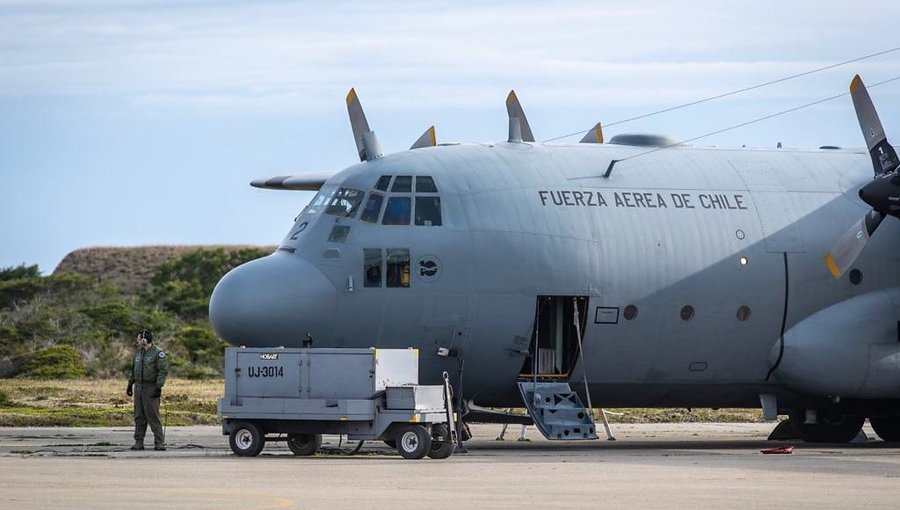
515 111
301 182
428 139
594 135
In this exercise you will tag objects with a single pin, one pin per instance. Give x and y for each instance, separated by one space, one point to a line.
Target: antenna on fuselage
366 142
519 130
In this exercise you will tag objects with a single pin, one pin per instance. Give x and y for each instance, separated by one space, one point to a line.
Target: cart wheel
413 441
441 444
304 444
246 439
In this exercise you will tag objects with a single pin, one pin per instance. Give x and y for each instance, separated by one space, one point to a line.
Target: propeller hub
883 194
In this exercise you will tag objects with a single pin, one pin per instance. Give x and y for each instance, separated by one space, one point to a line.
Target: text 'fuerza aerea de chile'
645 199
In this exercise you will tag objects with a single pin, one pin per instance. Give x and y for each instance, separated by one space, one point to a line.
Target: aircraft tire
887 427
304 444
441 444
246 439
413 441
832 427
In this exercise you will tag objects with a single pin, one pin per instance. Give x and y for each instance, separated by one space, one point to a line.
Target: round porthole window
856 277
687 313
630 312
743 313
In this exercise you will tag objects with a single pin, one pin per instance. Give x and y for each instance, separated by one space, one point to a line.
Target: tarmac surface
649 466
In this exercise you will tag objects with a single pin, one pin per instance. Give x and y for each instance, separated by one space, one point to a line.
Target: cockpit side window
397 211
402 184
372 267
373 208
345 203
397 274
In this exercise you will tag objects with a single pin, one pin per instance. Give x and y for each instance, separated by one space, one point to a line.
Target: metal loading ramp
557 411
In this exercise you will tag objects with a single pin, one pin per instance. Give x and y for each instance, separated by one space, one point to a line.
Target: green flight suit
149 371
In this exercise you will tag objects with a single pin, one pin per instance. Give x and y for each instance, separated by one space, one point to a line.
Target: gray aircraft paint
513 229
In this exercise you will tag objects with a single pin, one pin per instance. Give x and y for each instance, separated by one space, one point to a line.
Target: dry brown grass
101 402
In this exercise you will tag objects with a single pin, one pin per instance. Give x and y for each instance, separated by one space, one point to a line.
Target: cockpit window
373 207
397 268
372 267
402 184
383 182
339 234
345 203
397 211
318 202
428 211
425 184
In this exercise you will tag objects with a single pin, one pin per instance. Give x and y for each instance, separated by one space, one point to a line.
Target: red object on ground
782 450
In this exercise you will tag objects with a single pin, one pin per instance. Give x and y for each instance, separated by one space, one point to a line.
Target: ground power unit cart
296 395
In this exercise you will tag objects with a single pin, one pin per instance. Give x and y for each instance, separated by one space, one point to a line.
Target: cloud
287 56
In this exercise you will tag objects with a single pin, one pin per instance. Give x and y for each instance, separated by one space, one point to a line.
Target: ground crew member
149 369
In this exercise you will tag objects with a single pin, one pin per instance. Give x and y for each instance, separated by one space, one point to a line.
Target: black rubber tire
441 445
832 427
246 439
413 441
304 444
887 427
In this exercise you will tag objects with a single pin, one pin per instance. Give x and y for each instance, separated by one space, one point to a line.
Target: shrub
58 362
5 401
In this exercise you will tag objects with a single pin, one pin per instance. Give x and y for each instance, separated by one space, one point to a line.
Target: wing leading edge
311 181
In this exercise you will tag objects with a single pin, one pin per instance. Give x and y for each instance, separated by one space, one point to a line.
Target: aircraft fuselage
687 264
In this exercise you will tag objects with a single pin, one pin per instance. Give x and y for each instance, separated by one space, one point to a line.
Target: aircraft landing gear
887 427
830 427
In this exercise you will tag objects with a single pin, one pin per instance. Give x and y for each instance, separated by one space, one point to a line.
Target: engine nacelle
848 350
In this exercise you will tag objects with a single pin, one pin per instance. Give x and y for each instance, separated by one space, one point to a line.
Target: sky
142 122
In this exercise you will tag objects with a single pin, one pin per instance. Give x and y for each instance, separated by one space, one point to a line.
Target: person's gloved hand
157 393
129 391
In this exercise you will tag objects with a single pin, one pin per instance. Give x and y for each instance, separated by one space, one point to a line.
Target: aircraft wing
311 181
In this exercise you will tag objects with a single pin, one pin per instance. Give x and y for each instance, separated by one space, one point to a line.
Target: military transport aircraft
645 272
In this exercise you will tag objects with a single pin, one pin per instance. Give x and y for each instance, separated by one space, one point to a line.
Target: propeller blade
366 143
884 157
595 135
515 111
851 244
428 139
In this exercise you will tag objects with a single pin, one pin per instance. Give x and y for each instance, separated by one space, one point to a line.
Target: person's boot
160 447
138 445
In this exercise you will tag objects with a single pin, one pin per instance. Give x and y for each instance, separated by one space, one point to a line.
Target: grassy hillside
81 320
130 269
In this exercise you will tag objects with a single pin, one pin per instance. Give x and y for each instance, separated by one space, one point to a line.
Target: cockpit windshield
318 202
345 203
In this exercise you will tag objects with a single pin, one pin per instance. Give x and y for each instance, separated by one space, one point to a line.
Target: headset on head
146 337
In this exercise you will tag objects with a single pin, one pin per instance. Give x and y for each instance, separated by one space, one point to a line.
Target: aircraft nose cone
273 301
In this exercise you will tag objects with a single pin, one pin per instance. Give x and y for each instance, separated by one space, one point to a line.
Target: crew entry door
554 347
